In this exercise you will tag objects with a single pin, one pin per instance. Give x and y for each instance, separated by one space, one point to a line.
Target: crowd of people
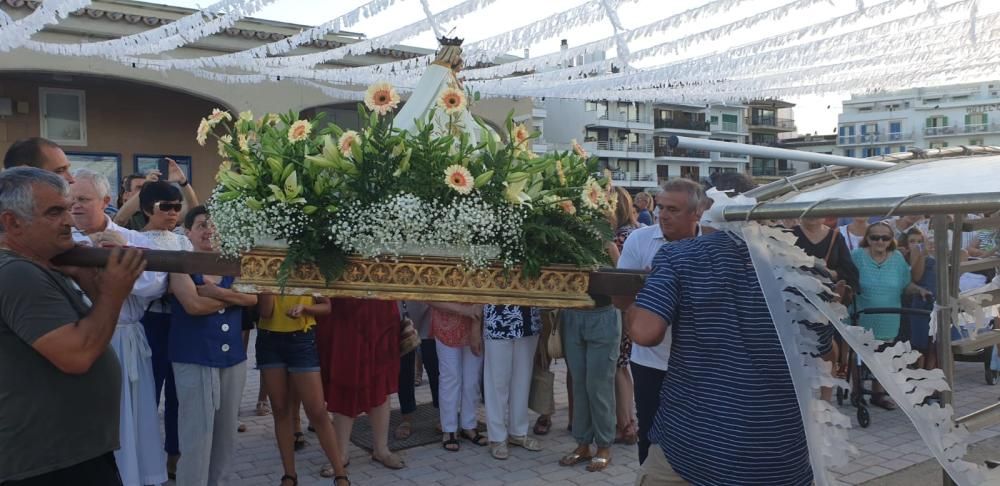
87 355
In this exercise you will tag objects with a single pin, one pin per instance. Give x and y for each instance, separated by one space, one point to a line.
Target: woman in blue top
209 363
885 277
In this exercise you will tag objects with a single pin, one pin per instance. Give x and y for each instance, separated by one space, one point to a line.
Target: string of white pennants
786 64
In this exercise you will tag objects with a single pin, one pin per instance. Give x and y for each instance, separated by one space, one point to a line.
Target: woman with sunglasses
885 277
161 202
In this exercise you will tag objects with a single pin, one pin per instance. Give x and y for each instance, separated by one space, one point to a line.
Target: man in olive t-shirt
59 380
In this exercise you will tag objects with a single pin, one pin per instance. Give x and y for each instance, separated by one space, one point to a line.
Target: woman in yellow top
289 366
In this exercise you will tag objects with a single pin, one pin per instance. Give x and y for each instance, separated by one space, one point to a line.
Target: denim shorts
293 350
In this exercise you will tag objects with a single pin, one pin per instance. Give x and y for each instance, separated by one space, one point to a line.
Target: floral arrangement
380 191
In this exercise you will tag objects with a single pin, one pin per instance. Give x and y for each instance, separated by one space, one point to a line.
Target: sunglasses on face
168 206
879 238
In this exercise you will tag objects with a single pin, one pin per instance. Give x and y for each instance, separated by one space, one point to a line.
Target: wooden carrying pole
156 261
604 281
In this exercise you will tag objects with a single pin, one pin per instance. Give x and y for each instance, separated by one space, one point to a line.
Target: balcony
773 123
771 172
891 137
644 149
681 153
729 157
633 179
621 120
726 127
941 131
682 124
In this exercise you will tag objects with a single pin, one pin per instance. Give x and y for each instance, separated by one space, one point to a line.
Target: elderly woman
510 334
209 362
885 277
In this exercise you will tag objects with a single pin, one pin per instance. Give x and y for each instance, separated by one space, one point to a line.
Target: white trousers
508 381
208 409
458 386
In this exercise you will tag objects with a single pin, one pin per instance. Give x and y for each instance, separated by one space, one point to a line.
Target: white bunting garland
166 37
16 33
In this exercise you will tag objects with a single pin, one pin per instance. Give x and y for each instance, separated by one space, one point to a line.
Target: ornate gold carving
415 278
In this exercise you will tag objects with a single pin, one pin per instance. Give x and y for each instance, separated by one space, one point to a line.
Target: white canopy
946 176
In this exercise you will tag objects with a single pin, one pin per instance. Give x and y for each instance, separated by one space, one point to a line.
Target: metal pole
929 204
939 224
774 152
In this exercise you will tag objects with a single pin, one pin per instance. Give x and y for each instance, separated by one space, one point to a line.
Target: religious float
424 203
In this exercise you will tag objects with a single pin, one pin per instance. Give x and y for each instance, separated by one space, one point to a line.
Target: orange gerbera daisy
299 131
347 141
452 101
459 178
382 98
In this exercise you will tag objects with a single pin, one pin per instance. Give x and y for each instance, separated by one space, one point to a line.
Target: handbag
553 345
409 339
540 397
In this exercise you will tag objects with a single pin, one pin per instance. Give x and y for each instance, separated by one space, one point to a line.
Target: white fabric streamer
218 16
14 34
778 263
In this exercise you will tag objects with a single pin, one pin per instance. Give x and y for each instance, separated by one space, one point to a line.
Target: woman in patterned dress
624 221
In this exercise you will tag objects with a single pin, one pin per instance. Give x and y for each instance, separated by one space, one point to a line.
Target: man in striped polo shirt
728 413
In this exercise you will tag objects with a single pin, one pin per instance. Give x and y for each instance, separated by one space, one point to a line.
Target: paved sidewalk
889 445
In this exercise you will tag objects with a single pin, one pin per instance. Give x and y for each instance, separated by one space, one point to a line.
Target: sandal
404 430
476 438
598 464
289 477
242 427
542 425
300 441
574 458
263 408
393 461
450 445
499 450
341 478
529 443
883 401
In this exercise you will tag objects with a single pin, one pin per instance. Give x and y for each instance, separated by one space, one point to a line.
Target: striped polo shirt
728 413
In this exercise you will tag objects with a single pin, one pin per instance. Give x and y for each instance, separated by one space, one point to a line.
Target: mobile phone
163 166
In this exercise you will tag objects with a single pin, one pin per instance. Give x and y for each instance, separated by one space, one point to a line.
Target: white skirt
141 458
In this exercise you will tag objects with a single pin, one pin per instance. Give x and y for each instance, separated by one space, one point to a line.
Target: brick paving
888 445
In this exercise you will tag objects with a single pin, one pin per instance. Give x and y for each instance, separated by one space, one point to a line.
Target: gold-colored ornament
422 279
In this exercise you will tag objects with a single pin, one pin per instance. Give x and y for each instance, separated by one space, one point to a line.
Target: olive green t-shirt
49 420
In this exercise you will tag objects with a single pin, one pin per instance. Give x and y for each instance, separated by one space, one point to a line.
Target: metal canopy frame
946 211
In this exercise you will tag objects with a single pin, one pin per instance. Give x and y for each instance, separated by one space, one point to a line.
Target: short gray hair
696 194
99 181
17 193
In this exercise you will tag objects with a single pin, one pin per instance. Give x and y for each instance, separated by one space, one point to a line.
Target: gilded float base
421 279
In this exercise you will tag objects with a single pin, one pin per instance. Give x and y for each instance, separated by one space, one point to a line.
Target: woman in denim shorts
288 361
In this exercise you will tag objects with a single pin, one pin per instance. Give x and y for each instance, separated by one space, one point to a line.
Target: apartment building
768 122
631 139
925 118
819 144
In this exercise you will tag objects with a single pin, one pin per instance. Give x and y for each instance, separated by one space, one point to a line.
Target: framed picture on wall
145 163
108 165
